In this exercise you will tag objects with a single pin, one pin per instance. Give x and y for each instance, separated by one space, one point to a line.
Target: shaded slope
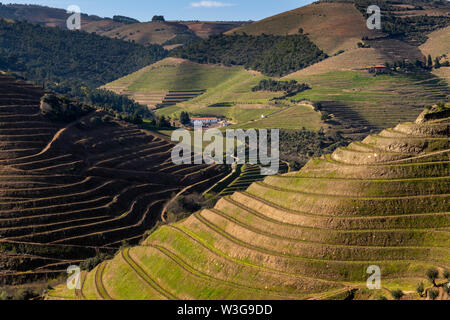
309 234
70 191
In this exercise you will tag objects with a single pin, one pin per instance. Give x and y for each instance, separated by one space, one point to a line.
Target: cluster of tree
185 119
91 263
412 28
298 146
126 20
291 86
185 205
273 55
60 108
432 275
418 66
20 293
158 18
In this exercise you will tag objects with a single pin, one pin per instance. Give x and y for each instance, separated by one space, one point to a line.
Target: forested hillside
71 62
272 55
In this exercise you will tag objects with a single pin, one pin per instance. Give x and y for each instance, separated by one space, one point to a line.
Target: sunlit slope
152 84
358 98
438 45
331 26
309 234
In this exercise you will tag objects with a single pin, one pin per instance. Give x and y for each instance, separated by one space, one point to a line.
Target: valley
87 176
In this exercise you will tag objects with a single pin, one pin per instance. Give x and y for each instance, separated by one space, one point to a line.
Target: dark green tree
429 62
185 119
397 294
432 275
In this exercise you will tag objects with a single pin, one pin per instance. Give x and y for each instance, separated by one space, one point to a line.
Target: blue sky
144 10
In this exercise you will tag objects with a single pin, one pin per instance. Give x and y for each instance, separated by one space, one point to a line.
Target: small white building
204 121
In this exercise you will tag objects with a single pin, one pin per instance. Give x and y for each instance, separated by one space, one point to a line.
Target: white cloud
210 4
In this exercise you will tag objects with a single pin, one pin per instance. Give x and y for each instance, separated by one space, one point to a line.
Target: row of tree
291 86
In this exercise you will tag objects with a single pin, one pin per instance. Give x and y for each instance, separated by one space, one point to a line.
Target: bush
446 274
420 289
432 275
433 294
397 294
91 263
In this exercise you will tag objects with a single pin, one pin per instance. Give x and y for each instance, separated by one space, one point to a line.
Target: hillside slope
70 191
305 235
160 81
157 32
144 33
331 26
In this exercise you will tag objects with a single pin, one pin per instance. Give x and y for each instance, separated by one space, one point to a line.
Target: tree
437 63
163 122
446 274
158 18
433 294
430 62
184 118
432 274
420 289
397 294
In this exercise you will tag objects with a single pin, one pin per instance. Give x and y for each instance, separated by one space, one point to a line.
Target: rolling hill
151 85
153 32
310 234
331 26
70 191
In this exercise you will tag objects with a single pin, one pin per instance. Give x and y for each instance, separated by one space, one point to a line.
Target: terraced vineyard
360 102
71 191
174 97
304 235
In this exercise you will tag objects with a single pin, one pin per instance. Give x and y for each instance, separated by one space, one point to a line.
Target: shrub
433 294
397 294
447 288
91 263
420 289
446 274
432 275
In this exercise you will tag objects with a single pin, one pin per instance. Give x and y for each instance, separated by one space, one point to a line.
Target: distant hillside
58 56
204 29
331 26
340 25
156 32
51 17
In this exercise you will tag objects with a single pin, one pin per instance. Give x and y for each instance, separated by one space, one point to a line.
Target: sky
144 10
